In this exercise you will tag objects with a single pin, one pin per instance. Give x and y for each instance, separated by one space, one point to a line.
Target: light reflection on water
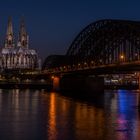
38 115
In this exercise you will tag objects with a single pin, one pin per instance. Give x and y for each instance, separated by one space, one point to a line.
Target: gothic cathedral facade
18 55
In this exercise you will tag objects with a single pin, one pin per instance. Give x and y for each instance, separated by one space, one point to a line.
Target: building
16 54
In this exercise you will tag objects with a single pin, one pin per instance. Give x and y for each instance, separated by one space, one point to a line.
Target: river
41 115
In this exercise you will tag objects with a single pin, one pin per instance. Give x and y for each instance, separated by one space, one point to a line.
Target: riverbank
127 87
23 85
49 86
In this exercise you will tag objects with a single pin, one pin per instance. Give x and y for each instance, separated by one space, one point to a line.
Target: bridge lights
79 65
73 67
85 65
52 77
100 60
122 57
69 67
65 68
92 63
136 56
61 68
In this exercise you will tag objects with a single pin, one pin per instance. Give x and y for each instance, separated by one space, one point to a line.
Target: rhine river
40 115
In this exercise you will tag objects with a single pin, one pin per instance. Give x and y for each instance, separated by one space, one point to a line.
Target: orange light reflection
52 118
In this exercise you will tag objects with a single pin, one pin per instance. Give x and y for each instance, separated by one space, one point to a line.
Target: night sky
53 24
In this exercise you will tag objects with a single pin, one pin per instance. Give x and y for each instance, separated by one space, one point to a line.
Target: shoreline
22 85
49 86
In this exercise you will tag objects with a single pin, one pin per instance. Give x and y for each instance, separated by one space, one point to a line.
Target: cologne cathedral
17 55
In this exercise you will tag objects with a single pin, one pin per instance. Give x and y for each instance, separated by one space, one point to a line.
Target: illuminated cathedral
17 55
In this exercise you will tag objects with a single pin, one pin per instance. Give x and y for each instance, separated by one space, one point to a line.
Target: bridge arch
107 41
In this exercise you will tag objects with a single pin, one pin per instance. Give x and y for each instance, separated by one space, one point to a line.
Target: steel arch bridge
107 42
102 45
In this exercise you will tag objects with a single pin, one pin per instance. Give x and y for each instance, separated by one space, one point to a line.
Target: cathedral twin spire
22 37
9 42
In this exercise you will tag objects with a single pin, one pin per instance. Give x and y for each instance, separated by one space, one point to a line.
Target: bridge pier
79 84
56 83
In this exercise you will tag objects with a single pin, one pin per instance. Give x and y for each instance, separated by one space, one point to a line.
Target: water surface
40 115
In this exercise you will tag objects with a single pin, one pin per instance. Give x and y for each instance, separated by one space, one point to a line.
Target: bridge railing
86 66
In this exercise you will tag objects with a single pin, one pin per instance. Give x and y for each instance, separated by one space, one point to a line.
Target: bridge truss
107 42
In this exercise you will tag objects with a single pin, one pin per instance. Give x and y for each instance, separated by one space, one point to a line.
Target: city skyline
53 25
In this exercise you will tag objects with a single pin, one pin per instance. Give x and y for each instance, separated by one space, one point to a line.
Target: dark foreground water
39 115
